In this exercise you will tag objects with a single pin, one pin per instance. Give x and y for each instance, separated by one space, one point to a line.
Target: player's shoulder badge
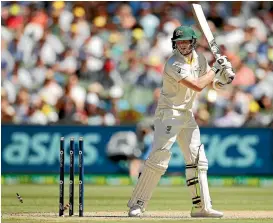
178 66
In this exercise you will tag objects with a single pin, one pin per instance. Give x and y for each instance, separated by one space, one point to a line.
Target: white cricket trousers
173 125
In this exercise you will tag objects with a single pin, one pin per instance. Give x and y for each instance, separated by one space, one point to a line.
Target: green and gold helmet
183 33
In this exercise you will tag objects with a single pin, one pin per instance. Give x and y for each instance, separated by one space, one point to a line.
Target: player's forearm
200 83
205 80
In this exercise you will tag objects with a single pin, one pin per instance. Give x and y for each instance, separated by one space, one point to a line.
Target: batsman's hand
220 64
228 74
218 85
223 68
223 78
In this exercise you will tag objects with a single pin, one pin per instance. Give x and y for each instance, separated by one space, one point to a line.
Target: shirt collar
194 57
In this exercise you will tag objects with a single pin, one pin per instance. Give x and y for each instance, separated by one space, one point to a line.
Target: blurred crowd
100 63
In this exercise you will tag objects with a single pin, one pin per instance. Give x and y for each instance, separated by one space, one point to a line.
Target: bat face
203 24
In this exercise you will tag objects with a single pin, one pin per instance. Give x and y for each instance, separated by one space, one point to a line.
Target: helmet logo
179 33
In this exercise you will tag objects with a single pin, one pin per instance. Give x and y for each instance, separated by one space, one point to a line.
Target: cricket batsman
186 72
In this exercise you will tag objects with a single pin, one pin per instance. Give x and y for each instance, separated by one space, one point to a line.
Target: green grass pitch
108 204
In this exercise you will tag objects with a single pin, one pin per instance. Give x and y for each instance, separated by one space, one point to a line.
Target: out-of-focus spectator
231 118
65 16
95 87
68 65
147 20
22 105
164 35
35 113
151 77
202 116
110 75
252 119
244 75
152 107
7 60
124 18
77 92
40 17
115 95
51 48
264 86
233 35
7 111
66 107
94 115
83 28
266 114
133 71
215 16
94 52
15 20
38 74
51 91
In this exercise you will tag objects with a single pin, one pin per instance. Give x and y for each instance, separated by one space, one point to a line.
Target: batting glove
220 64
217 85
229 75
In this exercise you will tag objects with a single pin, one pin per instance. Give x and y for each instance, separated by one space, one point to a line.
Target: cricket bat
204 26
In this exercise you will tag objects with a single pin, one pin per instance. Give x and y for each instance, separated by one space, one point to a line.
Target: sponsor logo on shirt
178 67
168 129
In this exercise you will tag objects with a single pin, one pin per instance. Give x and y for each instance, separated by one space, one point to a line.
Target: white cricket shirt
173 94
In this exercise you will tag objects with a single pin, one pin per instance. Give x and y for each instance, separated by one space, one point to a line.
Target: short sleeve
177 70
205 67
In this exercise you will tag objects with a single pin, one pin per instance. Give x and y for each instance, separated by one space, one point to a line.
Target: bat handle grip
217 55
